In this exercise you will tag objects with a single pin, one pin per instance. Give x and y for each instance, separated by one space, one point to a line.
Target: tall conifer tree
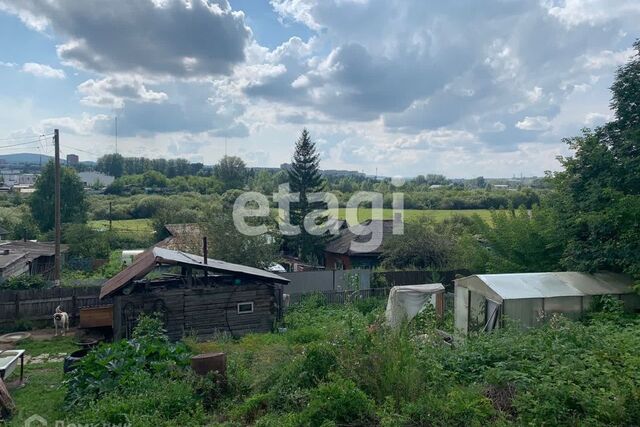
305 178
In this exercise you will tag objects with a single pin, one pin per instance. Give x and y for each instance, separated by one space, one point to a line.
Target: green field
413 214
142 226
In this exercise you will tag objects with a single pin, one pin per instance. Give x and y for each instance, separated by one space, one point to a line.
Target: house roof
183 236
11 258
342 244
549 285
146 262
33 249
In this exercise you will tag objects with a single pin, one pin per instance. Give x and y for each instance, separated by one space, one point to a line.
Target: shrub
24 281
145 400
459 407
338 401
110 367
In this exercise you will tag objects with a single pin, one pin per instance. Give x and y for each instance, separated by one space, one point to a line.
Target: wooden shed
194 295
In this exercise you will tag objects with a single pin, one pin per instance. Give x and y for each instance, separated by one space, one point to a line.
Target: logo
35 420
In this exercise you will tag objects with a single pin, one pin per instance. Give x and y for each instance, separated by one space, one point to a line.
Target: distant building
72 159
328 172
91 178
338 253
15 178
27 257
501 186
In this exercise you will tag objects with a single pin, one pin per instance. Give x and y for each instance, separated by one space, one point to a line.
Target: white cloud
85 125
42 70
8 64
538 123
113 91
607 58
596 119
591 12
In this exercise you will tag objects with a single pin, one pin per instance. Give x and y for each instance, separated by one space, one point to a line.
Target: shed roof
550 285
33 249
146 261
11 258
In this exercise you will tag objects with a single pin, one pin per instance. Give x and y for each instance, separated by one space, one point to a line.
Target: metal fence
341 297
326 280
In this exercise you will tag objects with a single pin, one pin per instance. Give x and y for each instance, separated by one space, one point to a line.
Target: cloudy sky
462 88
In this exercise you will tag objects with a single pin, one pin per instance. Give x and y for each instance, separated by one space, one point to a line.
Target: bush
338 402
145 399
459 407
110 367
23 282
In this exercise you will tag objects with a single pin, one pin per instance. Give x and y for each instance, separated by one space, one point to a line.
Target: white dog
61 320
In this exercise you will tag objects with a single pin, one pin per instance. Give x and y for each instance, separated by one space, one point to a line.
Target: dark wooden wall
201 311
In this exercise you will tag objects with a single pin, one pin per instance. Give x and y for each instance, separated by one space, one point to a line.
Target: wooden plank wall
40 304
204 311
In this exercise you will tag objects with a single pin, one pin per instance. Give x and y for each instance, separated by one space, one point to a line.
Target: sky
402 87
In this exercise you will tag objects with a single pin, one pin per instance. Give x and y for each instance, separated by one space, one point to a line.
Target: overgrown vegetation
339 365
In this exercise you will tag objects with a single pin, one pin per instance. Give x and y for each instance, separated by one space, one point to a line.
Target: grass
415 214
338 365
134 225
42 393
53 346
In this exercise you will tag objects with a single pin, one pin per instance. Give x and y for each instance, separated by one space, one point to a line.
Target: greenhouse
484 302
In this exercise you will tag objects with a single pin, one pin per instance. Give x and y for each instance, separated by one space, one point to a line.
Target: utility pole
56 273
116 134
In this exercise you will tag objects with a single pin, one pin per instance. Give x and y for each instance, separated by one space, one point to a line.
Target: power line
18 138
78 149
35 141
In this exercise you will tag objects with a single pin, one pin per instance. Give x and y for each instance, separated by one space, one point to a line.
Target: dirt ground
46 334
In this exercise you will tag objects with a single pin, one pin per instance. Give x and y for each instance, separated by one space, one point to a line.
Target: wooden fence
40 304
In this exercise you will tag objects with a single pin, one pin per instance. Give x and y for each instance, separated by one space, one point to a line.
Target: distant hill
25 158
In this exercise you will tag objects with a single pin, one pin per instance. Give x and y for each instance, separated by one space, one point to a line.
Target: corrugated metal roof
145 262
141 266
555 284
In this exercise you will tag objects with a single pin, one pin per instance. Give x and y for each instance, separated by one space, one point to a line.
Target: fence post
74 306
17 305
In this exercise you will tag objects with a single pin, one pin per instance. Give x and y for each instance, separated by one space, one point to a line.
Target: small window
245 307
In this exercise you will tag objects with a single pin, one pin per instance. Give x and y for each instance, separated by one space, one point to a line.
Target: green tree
421 246
232 171
154 179
73 203
111 164
520 241
598 193
305 178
